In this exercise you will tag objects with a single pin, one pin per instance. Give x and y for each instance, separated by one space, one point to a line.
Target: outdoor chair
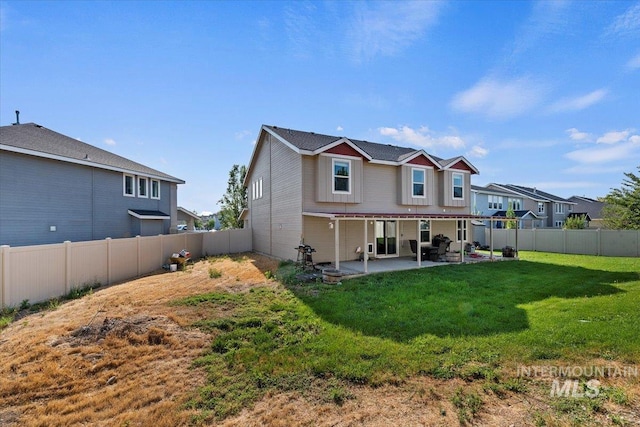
439 247
424 251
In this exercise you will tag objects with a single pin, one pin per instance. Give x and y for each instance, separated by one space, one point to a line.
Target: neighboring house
186 219
495 202
351 199
590 207
55 188
551 210
207 216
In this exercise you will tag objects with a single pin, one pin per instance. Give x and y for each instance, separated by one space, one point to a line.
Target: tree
575 222
622 208
235 199
510 223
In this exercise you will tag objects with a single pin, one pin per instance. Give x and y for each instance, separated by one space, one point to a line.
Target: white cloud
634 139
627 23
477 151
579 102
547 18
613 137
634 63
243 134
603 154
339 128
500 99
384 28
422 137
576 135
109 141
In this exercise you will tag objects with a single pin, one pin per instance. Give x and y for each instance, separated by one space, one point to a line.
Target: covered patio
389 263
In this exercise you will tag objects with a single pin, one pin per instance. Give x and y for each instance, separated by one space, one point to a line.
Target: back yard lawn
438 346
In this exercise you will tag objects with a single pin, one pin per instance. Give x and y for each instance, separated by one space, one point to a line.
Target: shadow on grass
468 300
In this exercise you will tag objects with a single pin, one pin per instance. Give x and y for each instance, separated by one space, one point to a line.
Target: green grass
467 321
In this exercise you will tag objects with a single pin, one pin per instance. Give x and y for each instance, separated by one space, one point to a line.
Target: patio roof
374 215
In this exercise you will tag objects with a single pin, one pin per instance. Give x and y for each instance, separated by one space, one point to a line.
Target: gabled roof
590 206
532 193
580 214
521 213
311 143
485 190
36 140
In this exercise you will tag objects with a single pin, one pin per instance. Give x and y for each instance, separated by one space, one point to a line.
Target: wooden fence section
584 242
38 273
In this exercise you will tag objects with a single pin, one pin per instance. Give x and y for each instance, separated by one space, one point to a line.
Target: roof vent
17 118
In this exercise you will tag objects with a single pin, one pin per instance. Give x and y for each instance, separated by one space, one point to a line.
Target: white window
462 230
540 207
418 183
260 188
256 189
515 204
128 188
143 187
155 189
458 186
495 202
341 176
559 224
425 231
559 208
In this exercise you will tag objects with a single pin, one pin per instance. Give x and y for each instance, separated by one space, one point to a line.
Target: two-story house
496 203
55 188
551 210
588 208
351 199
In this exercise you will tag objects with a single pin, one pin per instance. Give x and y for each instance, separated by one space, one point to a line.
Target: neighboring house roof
36 140
532 193
485 190
188 213
519 214
311 143
590 206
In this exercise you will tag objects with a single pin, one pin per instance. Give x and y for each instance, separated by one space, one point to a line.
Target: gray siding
324 180
83 203
446 189
405 190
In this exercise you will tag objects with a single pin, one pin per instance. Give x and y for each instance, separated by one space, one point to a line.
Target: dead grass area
120 356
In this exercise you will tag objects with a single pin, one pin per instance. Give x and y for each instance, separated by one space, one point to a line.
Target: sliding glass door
386 240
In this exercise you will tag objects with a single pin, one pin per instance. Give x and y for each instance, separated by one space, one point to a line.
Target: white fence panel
38 273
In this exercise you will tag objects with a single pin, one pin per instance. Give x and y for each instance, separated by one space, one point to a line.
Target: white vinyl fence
586 242
38 273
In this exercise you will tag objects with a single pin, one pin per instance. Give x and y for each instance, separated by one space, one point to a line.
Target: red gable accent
344 149
421 160
462 166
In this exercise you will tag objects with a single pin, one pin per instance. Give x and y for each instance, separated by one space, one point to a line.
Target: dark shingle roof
34 139
534 193
311 141
518 213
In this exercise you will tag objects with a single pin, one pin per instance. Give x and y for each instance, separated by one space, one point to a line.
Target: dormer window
418 183
341 176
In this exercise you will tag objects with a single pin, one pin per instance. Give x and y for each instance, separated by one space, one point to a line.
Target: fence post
564 240
598 243
67 267
108 239
4 274
138 253
533 238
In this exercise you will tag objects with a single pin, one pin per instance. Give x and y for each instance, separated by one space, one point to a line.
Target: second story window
143 187
341 176
540 207
458 186
559 208
515 204
155 189
418 182
495 202
128 188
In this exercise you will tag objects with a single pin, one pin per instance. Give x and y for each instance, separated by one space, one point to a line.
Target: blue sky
543 94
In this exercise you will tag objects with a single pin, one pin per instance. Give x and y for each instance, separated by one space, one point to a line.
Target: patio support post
336 243
462 243
419 248
365 251
491 238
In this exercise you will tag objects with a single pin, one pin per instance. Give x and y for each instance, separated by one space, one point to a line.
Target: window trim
155 197
559 224
124 185
461 230
428 230
541 208
453 185
146 187
558 208
513 206
424 183
334 176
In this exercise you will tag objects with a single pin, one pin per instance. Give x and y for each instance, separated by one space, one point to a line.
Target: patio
354 268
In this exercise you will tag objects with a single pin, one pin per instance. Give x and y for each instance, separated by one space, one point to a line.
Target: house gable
345 149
